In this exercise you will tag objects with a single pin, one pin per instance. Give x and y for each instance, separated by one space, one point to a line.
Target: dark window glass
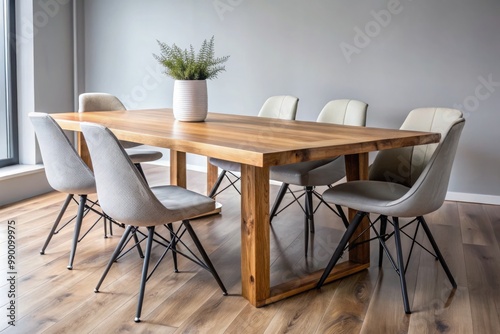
8 110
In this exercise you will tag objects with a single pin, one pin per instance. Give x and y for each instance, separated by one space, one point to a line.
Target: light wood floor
52 299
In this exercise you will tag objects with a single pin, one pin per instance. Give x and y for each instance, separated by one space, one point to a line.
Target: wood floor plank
349 304
178 306
252 320
493 214
14 210
437 307
301 313
483 273
215 315
385 313
92 310
159 287
476 229
218 311
483 277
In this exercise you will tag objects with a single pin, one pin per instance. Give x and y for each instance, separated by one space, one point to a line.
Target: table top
250 140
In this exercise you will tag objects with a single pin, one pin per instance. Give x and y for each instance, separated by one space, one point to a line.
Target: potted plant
190 70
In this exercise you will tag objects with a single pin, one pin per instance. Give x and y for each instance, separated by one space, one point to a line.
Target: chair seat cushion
310 173
137 155
225 165
182 203
369 196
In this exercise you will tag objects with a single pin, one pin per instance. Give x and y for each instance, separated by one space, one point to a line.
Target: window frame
11 82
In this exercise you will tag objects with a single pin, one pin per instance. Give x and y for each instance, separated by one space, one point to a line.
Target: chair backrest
404 165
281 106
99 102
122 191
429 191
102 102
65 170
344 112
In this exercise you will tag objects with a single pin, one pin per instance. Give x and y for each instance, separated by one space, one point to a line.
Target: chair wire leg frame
215 189
151 237
85 205
308 208
399 265
78 226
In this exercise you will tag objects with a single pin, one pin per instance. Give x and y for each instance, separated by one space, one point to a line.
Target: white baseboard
473 198
196 168
450 196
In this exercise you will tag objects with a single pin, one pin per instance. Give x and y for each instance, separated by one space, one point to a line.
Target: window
8 112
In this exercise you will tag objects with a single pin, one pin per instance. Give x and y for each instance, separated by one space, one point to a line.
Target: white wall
394 55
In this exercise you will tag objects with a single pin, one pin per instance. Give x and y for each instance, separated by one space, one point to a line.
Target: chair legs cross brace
83 209
215 189
398 265
170 245
308 208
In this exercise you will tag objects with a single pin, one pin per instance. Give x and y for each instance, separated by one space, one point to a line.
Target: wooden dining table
257 143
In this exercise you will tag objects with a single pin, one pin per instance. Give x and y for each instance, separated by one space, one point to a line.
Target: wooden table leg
357 169
255 242
83 150
178 168
212 174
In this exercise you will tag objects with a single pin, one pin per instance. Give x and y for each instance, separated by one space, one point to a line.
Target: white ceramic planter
190 101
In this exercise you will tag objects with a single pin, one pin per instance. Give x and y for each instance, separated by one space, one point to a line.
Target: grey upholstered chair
404 182
108 102
125 196
66 172
317 173
280 106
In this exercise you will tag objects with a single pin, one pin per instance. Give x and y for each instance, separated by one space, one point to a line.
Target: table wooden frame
257 143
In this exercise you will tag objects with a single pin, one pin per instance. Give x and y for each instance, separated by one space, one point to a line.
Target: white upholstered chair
317 173
280 106
108 102
403 182
66 172
125 195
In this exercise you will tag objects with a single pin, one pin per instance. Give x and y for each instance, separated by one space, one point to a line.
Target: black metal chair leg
138 245
310 208
144 276
342 216
115 255
306 226
401 266
277 202
110 226
173 242
437 251
341 246
78 226
141 171
208 263
105 227
383 228
56 222
217 184
306 235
